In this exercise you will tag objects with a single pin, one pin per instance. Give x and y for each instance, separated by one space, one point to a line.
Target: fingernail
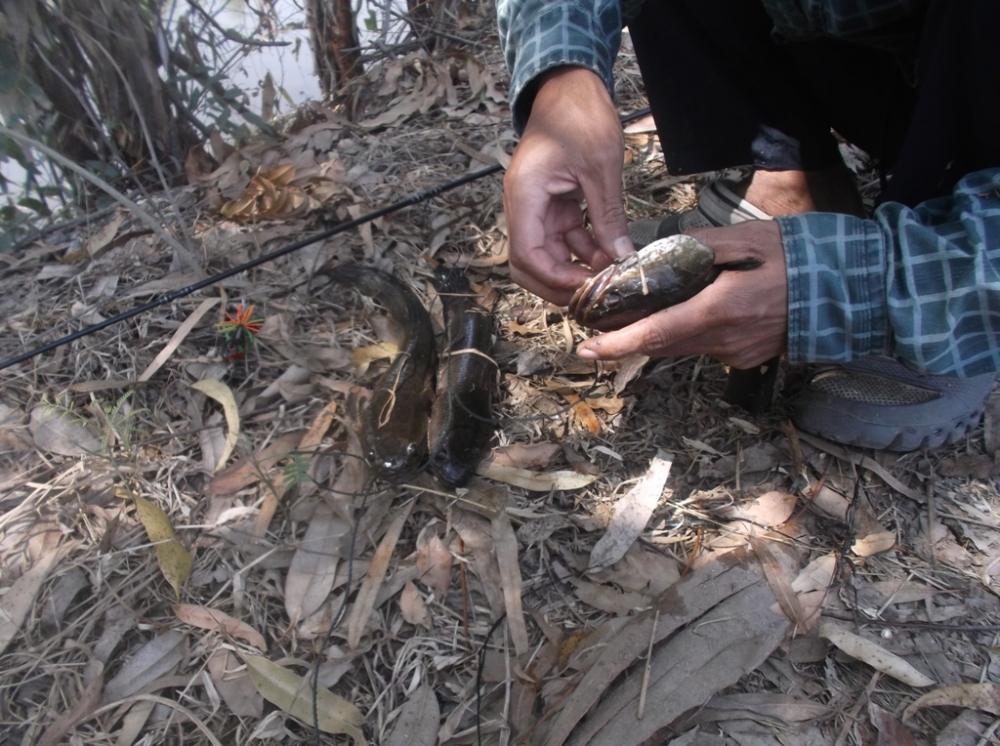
586 353
622 247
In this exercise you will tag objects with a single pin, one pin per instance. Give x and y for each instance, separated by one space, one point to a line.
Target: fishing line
416 198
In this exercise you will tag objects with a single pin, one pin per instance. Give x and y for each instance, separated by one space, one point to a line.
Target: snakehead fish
662 274
394 421
461 420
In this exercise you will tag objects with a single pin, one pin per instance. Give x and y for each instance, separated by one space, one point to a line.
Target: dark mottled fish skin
662 274
462 416
394 421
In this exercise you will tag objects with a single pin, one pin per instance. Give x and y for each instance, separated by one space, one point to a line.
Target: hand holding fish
572 150
740 319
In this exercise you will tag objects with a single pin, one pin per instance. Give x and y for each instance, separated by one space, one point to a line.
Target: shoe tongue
870 389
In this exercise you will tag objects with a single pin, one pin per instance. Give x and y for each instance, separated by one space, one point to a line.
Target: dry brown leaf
364 603
434 564
362 357
413 608
215 620
505 543
779 578
628 369
16 603
817 575
314 564
418 721
236 687
874 655
891 732
526 456
874 543
476 541
984 696
156 658
632 513
174 559
293 694
708 630
583 415
58 431
84 704
535 481
97 242
608 599
178 336
251 470
770 509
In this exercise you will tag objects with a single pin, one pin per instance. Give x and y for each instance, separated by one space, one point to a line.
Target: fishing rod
416 198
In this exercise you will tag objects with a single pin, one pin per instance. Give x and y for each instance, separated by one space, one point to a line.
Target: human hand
572 149
740 319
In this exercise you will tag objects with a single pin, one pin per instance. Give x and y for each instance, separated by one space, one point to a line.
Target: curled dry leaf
536 481
213 619
434 564
413 608
251 470
874 655
526 456
362 357
770 509
293 694
174 559
632 513
223 395
234 684
984 696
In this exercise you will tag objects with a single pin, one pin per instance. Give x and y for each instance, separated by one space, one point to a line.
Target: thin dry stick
105 187
648 668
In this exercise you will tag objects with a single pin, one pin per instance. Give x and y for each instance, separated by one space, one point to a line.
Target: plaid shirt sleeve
538 35
922 284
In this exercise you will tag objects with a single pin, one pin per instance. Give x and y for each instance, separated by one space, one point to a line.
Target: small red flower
239 329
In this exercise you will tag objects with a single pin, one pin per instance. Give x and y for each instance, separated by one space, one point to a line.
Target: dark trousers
922 96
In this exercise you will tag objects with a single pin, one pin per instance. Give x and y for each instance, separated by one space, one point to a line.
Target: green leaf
33 204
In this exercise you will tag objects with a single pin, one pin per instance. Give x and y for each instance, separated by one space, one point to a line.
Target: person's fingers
754 240
558 294
657 334
582 244
606 208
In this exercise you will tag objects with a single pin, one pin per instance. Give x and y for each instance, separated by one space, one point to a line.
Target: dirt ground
187 532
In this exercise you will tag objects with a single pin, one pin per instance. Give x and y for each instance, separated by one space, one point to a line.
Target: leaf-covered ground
183 521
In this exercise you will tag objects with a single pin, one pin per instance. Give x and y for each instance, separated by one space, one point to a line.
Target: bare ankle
793 192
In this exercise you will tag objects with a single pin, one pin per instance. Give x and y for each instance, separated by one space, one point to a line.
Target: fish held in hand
662 274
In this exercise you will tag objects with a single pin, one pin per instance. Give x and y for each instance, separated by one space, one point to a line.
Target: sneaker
718 205
880 403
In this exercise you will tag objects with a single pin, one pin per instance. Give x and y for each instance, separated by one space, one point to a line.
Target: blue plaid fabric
922 284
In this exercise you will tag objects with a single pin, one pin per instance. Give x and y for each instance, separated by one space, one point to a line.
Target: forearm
540 35
921 284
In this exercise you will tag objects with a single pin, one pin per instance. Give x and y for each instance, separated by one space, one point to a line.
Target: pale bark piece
221 393
984 696
314 564
708 655
760 706
214 620
293 694
58 431
16 603
418 720
364 603
632 513
178 336
692 601
874 655
236 686
609 599
536 481
413 608
510 578
156 658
